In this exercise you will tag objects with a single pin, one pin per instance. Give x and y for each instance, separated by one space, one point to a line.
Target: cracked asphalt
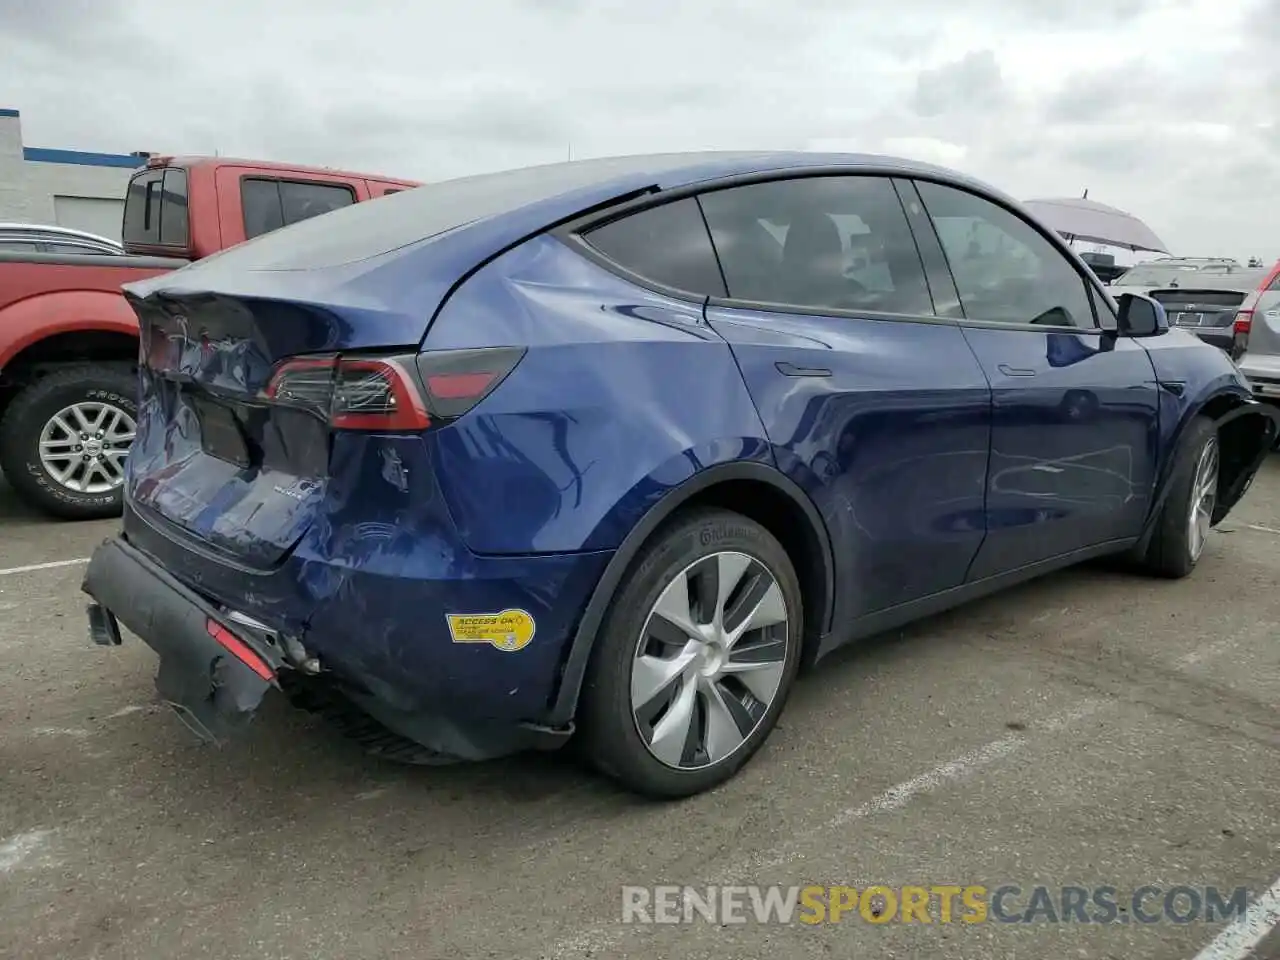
1092 729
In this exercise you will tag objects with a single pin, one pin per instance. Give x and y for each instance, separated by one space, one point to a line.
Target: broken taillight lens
404 393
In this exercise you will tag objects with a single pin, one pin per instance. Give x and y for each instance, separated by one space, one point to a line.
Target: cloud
1162 107
971 83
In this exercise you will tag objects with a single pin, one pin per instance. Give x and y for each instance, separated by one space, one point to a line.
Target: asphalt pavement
1091 730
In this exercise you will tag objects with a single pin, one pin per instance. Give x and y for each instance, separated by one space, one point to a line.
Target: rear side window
667 244
1275 279
155 208
271 204
17 246
838 243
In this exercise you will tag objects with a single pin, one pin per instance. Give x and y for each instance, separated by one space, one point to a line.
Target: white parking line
1261 916
1239 937
1261 529
51 565
596 940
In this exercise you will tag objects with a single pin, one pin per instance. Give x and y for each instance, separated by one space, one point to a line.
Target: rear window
366 230
1156 276
668 244
155 208
272 204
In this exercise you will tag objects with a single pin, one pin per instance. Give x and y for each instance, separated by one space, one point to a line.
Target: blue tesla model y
611 449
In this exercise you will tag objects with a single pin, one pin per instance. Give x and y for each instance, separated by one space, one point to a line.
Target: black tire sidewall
1170 554
26 417
607 726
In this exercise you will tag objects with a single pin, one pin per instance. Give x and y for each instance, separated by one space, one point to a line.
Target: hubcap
83 446
1204 497
710 660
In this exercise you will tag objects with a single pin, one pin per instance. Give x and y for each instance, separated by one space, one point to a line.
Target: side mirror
1140 316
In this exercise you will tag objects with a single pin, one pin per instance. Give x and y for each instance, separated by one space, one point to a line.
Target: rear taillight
1244 316
376 395
456 380
400 393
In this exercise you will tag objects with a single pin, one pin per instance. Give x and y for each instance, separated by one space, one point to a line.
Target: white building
70 188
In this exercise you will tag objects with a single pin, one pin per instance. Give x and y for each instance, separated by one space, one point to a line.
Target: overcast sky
1166 108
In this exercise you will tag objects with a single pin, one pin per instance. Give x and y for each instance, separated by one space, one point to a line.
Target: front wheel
64 439
1182 529
695 658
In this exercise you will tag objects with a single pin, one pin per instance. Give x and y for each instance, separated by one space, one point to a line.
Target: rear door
1074 438
873 403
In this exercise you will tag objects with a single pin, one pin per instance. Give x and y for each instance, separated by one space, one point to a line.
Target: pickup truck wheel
1185 519
64 438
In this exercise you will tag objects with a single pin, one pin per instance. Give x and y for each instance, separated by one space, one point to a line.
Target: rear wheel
1187 515
64 438
695 657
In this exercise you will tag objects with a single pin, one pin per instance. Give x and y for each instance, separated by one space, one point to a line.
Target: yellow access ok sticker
508 631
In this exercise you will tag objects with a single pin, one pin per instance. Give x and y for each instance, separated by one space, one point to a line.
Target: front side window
667 244
1005 269
18 246
839 243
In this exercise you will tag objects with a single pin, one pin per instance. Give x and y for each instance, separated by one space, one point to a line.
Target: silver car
1259 319
41 238
1200 295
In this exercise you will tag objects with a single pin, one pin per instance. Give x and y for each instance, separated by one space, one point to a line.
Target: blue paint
927 465
81 157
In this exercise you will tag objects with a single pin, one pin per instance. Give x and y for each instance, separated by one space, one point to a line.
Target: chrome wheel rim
710 660
83 446
1204 497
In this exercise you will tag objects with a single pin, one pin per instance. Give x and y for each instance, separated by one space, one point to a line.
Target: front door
1074 407
876 406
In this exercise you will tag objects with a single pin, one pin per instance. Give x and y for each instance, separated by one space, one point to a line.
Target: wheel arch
754 489
1244 448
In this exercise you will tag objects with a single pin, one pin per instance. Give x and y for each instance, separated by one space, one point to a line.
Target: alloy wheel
710 660
83 446
1204 497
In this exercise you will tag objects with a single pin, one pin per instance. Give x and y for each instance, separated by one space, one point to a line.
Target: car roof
510 204
265 166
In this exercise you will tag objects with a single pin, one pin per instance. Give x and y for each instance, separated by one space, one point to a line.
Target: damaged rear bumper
213 675
214 671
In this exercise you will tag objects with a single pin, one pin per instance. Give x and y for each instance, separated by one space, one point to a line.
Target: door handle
1009 371
791 370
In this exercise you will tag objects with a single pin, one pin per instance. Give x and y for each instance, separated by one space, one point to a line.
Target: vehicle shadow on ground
306 753
12 507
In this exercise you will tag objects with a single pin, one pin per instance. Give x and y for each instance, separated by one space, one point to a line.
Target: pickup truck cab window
155 208
270 204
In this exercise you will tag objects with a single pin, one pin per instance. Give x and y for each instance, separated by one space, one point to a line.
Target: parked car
615 446
1202 295
1103 266
68 339
1257 324
41 238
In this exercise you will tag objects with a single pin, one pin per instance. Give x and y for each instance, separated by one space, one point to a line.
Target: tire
687 549
89 388
1174 549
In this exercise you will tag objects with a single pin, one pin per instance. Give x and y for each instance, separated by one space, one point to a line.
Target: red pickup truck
69 340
